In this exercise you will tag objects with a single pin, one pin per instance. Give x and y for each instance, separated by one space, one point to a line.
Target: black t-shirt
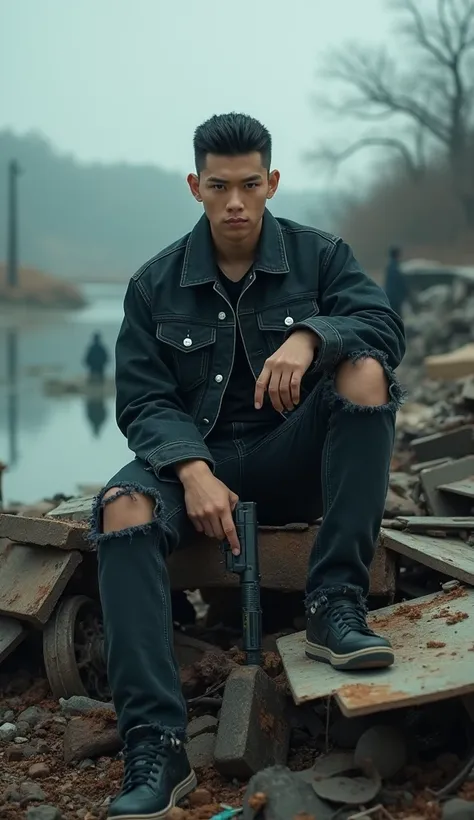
238 401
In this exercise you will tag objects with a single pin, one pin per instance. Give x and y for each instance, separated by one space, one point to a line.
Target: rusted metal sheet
284 556
439 502
12 633
450 556
32 579
434 647
44 532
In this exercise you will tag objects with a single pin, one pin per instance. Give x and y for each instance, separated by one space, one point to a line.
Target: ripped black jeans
329 456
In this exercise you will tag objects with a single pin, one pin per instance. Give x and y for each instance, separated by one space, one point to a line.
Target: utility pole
12 240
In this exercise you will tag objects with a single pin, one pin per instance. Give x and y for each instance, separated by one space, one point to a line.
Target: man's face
234 192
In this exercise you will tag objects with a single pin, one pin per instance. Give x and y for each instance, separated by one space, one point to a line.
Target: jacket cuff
331 345
165 456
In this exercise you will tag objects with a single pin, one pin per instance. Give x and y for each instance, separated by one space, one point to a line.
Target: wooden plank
438 502
12 633
452 444
465 487
32 579
450 556
421 673
420 523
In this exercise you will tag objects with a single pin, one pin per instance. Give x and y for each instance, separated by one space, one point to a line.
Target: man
395 283
96 359
255 361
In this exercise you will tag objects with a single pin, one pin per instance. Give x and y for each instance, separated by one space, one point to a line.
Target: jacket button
221 315
205 421
289 321
218 378
187 342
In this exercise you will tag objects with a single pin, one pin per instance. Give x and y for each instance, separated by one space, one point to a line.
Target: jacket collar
199 264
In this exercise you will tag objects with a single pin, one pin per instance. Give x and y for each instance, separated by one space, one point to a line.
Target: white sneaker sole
179 791
371 658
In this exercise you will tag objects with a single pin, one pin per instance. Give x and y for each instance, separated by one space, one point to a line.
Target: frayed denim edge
397 393
97 537
169 733
325 594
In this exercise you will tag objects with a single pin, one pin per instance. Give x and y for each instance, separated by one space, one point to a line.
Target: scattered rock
32 716
44 812
458 809
80 705
287 796
39 770
200 750
90 737
11 794
21 739
201 725
9 716
385 747
23 728
7 732
31 792
200 797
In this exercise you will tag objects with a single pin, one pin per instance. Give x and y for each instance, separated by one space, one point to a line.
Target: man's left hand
284 369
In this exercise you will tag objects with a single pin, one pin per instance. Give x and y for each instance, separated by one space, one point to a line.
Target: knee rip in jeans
396 392
104 498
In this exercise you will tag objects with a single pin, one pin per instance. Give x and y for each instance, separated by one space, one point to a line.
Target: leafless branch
337 157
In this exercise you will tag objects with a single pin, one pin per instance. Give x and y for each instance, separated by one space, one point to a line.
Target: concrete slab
44 532
32 579
433 641
439 502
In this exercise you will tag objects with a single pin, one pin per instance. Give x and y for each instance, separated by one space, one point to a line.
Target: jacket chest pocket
190 346
274 322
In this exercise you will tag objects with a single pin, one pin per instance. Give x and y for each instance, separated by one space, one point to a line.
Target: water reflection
96 413
13 399
53 443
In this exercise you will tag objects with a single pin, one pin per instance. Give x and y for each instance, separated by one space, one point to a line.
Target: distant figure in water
96 360
395 282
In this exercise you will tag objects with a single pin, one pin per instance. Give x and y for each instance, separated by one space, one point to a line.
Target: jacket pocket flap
282 317
185 337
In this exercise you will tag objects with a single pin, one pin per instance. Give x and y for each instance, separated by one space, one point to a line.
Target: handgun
246 565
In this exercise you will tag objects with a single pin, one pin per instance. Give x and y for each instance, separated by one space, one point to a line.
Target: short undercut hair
230 135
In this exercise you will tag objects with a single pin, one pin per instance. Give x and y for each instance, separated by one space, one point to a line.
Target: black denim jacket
175 349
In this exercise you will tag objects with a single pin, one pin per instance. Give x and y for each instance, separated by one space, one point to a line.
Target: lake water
53 444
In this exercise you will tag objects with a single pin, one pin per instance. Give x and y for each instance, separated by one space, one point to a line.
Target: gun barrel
251 622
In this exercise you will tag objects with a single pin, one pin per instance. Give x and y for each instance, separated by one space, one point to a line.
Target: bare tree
423 92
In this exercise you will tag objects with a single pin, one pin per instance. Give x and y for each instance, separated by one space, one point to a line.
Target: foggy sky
130 79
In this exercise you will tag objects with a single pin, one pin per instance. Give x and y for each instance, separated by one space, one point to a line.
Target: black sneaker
157 775
337 633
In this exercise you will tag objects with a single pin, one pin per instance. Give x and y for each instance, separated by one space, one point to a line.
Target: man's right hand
209 503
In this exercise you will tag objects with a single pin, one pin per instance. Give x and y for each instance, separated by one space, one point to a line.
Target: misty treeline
99 221
416 99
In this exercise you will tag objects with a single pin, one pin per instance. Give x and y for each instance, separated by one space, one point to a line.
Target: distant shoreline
40 291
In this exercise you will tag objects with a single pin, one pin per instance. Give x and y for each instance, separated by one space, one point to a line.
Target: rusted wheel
73 649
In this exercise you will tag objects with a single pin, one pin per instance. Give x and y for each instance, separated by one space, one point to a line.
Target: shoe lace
144 760
348 616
